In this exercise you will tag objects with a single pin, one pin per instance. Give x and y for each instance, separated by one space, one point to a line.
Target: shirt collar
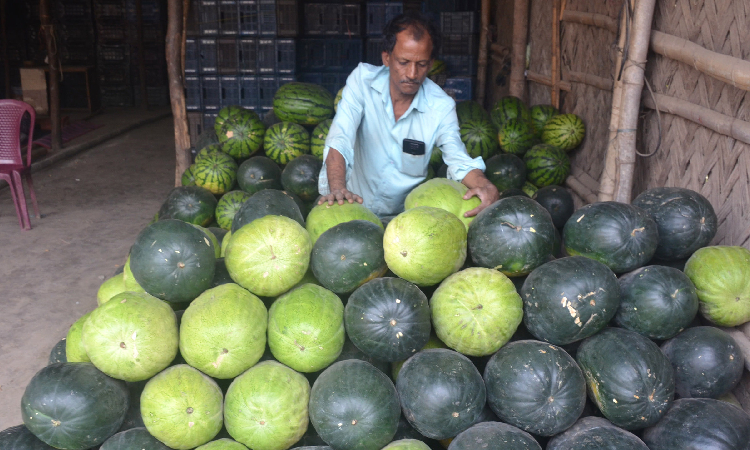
381 84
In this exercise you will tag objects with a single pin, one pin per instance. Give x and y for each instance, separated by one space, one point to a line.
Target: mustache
407 81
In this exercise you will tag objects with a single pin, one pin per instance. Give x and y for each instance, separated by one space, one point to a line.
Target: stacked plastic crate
113 53
75 32
238 52
153 14
333 44
378 14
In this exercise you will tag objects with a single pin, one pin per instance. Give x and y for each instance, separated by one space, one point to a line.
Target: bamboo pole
517 84
720 123
547 81
580 189
141 56
586 18
632 79
725 68
176 92
483 40
588 79
54 74
555 69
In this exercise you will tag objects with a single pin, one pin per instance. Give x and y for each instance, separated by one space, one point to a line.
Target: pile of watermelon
261 320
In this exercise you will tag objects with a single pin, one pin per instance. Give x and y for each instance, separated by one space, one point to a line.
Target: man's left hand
487 193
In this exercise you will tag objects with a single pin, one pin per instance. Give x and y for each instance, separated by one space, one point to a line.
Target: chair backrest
11 113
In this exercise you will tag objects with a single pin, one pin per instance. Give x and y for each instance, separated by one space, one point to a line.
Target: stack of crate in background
238 52
378 14
75 32
117 52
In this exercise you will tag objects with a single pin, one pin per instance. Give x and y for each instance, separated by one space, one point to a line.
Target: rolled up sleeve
454 151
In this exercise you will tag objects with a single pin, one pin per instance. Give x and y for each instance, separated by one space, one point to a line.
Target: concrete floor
93 205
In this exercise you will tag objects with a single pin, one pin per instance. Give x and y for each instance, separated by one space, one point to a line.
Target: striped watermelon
436 157
209 150
303 103
540 114
240 131
470 110
479 138
564 131
546 165
228 206
438 73
529 189
515 136
337 99
318 138
188 177
285 141
509 108
216 172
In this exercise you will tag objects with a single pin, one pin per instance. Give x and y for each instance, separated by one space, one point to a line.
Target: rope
49 30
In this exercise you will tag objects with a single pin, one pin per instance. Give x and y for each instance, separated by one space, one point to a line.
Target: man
389 117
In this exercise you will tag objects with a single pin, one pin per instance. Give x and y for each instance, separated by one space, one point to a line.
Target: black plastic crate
379 14
247 55
151 11
227 56
211 92
75 55
68 11
192 27
209 118
284 79
76 34
459 88
460 44
287 18
113 75
156 75
192 55
109 9
266 57
248 18
151 34
155 95
374 51
122 96
153 54
229 20
208 63
267 17
267 87
113 53
311 55
286 56
195 126
350 21
230 91
461 65
310 77
342 54
114 32
208 17
459 22
249 92
193 93
322 18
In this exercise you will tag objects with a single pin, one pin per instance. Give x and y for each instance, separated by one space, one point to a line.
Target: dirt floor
93 206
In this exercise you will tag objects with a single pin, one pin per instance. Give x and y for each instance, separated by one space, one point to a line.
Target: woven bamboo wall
691 155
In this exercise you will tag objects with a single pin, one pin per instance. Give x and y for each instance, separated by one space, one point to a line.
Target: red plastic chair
12 166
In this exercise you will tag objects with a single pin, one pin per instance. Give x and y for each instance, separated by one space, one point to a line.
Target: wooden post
517 86
176 92
555 68
54 74
6 63
483 44
141 55
632 82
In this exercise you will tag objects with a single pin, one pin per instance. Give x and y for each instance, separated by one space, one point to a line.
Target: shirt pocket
413 165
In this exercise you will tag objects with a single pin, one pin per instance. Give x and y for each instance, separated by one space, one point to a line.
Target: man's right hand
339 195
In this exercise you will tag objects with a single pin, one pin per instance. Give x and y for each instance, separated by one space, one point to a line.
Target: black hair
419 23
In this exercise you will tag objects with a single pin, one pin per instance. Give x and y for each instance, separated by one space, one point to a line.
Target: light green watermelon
266 407
225 243
74 349
444 194
407 444
323 217
129 280
111 287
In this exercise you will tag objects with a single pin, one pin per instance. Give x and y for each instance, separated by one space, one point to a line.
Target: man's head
411 43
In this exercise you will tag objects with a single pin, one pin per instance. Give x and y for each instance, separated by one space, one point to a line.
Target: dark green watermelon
505 171
388 318
350 351
441 392
221 274
190 204
514 235
240 131
354 405
512 192
515 136
595 433
20 438
628 377
619 235
509 108
685 219
73 406
656 301
348 255
569 299
494 436
546 165
133 418
258 173
300 177
264 203
479 137
57 354
557 201
535 386
135 438
303 103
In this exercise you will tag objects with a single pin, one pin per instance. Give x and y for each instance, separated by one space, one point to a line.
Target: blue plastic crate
248 18
208 63
193 93
459 22
350 21
266 57
267 17
247 55
267 87
342 54
209 118
461 65
211 93
230 91
195 126
311 55
287 14
460 88
229 20
379 14
286 57
227 56
322 18
192 56
310 77
284 79
249 92
374 51
208 14
460 44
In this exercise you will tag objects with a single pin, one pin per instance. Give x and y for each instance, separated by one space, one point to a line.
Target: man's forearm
336 167
474 179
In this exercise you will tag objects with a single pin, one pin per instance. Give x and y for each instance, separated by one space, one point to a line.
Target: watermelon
222 444
557 201
188 177
216 173
444 194
133 438
20 438
529 189
407 444
324 216
264 203
75 351
266 407
595 433
210 150
240 131
494 436
302 103
300 177
564 131
228 206
57 354
432 342
191 204
318 138
546 165
111 287
515 136
438 72
505 171
509 108
258 173
337 99
469 110
285 141
424 245
479 138
540 115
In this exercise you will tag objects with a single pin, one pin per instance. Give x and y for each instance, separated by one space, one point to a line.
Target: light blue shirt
367 135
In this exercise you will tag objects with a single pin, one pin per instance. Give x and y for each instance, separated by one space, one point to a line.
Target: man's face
409 62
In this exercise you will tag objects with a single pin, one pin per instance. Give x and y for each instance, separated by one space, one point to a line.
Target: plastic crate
74 55
284 79
156 75
461 65
249 92
111 32
350 22
285 56
208 17
374 51
459 22
310 77
209 118
208 63
113 53
379 14
460 88
322 18
342 54
192 56
152 54
266 57
229 20
114 75
267 17
192 27
151 11
193 93
287 22
70 11
211 93
227 56
311 55
155 95
195 126
267 87
151 34
109 9
438 6
247 55
460 44
331 81
122 96
248 18
230 91
76 34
